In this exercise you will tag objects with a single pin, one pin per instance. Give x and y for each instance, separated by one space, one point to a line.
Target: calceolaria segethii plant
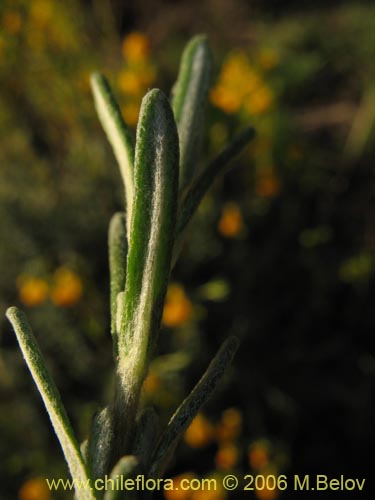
162 191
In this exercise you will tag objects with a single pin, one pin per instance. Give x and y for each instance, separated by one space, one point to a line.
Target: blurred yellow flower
210 494
34 489
151 384
226 99
12 22
260 101
130 112
231 222
229 427
268 493
227 457
130 82
177 308
135 47
240 85
267 183
259 455
67 288
200 433
41 12
178 493
32 291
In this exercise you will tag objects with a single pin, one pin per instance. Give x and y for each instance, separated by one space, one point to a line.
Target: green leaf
189 408
100 443
117 133
117 243
194 194
190 94
146 436
151 241
126 468
52 400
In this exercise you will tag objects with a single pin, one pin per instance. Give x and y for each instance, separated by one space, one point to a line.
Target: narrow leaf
117 243
151 240
117 133
146 436
194 194
189 408
52 400
190 94
100 443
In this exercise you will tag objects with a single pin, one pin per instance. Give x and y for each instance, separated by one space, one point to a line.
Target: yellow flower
130 82
177 308
259 101
210 494
231 223
41 12
32 291
151 384
229 427
237 81
259 455
200 433
34 489
12 22
227 457
135 47
267 493
226 99
130 112
267 184
67 289
178 493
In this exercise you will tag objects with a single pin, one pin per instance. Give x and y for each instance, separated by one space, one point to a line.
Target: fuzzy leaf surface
151 239
117 244
117 133
52 400
189 408
190 94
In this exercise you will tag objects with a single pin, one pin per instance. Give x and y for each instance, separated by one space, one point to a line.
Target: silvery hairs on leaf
189 100
189 408
117 245
117 133
52 400
151 240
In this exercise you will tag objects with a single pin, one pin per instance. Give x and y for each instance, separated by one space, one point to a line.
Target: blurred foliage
280 254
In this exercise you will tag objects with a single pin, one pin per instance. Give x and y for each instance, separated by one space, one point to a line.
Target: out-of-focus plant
162 191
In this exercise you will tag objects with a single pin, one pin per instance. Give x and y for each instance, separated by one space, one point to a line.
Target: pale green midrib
52 402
